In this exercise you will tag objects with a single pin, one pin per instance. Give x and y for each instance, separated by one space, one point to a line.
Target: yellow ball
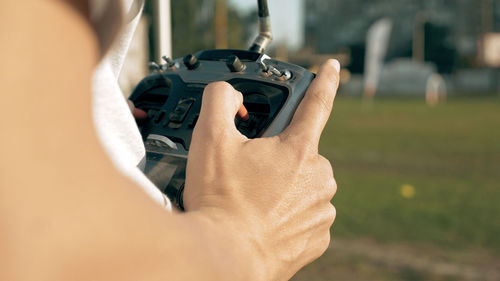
407 191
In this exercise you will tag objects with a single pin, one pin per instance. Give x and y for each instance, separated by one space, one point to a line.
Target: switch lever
234 64
243 113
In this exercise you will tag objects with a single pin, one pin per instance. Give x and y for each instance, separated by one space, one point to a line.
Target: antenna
265 37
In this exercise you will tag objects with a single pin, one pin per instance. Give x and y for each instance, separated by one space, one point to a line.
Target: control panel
172 97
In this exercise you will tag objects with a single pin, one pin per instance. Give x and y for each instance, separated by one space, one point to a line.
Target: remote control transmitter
172 97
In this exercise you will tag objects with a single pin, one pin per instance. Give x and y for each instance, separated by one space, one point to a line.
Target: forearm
114 232
64 209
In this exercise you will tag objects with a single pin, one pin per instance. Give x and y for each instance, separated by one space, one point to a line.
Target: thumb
219 107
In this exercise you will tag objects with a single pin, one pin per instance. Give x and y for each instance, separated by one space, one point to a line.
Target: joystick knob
191 62
234 64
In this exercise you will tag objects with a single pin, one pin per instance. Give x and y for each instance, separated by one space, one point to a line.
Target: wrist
232 244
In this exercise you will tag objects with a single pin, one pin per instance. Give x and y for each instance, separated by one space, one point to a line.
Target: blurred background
414 138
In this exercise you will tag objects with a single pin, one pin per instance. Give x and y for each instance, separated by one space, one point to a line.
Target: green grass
449 153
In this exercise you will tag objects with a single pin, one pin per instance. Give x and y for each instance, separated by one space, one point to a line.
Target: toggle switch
234 64
191 62
181 110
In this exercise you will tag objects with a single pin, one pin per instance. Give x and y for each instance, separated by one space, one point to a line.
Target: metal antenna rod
265 36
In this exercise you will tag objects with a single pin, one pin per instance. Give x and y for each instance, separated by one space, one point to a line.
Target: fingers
139 114
219 107
136 112
314 110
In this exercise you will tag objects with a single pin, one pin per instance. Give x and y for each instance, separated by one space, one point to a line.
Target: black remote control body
172 97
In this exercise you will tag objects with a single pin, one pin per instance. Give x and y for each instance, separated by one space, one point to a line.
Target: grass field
413 180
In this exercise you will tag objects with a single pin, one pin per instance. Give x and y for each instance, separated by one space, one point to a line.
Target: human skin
256 209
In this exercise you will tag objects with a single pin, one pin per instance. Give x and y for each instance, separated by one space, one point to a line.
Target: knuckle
217 90
324 242
330 188
330 185
321 98
326 164
331 214
238 94
219 86
222 91
301 148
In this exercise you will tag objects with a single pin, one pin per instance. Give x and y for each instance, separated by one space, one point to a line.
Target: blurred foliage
193 32
193 26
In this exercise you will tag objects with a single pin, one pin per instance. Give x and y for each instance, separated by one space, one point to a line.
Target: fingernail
336 64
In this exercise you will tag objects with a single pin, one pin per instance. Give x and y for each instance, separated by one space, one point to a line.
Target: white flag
377 42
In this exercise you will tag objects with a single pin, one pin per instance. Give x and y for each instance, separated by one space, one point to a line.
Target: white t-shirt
113 120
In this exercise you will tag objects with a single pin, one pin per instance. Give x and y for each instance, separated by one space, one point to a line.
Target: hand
272 194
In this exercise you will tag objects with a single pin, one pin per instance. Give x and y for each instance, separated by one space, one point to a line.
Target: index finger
313 112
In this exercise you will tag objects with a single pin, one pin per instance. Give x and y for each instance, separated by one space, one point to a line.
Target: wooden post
487 16
221 24
419 37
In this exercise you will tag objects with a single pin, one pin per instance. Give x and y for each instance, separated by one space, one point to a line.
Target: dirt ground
369 260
